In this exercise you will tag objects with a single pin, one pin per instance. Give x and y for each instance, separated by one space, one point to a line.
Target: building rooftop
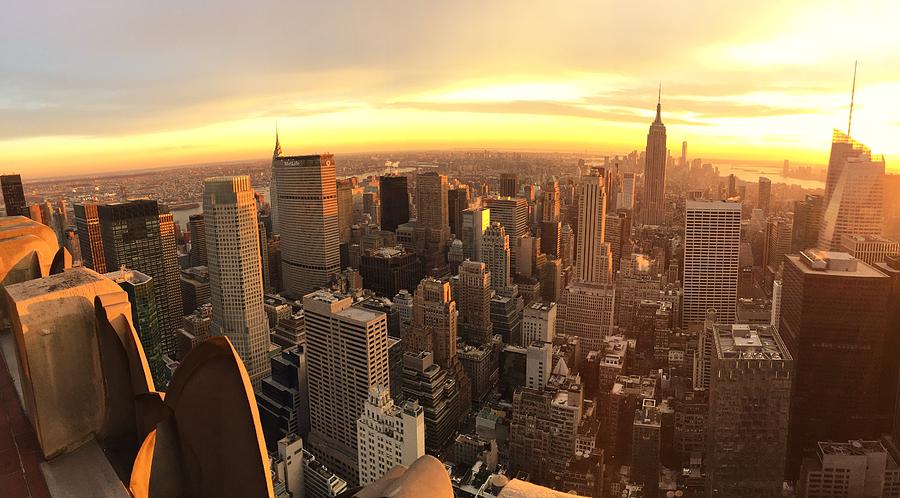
753 311
615 345
645 387
854 447
292 160
866 238
706 205
562 398
388 252
325 296
891 264
648 415
475 352
749 342
832 263
541 306
360 314
196 272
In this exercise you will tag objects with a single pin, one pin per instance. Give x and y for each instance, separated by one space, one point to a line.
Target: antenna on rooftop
852 96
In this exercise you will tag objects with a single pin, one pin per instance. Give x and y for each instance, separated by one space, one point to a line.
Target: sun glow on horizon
769 90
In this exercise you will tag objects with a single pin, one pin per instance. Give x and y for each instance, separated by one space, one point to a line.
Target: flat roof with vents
749 342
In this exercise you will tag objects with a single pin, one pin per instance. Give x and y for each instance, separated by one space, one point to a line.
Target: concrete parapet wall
54 324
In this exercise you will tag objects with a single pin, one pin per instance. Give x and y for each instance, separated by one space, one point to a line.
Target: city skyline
767 84
503 249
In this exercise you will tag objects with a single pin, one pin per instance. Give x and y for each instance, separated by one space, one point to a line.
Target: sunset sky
106 85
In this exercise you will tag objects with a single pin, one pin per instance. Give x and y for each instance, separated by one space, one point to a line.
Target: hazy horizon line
208 164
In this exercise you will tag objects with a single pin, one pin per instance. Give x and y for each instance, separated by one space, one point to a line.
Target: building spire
277 153
852 96
658 106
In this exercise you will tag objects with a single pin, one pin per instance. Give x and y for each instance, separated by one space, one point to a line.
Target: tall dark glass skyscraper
145 315
197 227
394 193
834 321
131 238
457 201
653 205
13 195
509 184
807 222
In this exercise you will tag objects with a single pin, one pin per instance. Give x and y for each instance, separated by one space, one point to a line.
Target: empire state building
654 202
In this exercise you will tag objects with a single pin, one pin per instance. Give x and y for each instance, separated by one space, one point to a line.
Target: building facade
145 316
712 239
474 222
394 194
197 229
173 311
496 255
432 230
235 273
653 204
854 468
589 255
388 435
854 193
87 223
749 407
132 237
437 393
869 249
834 320
347 356
587 311
474 303
304 196
538 323
512 214
388 270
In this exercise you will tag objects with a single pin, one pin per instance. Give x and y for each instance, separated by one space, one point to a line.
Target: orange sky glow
767 81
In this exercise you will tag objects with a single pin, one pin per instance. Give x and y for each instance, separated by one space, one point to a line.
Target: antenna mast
852 96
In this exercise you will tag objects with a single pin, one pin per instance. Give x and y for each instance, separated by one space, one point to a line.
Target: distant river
751 173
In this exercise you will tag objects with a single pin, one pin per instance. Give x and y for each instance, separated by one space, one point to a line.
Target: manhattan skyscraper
87 222
854 193
348 356
432 220
712 238
304 194
394 194
589 255
235 274
653 205
132 236
13 195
